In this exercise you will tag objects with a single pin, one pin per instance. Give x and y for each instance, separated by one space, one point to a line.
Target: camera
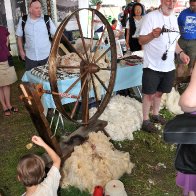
164 56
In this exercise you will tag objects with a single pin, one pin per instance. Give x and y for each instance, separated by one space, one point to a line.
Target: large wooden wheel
89 68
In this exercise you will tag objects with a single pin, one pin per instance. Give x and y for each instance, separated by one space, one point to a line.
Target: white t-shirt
50 184
138 24
97 25
153 51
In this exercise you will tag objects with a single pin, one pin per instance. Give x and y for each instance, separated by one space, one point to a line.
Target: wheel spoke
108 69
85 102
95 91
82 37
69 67
81 76
98 43
79 95
101 82
71 48
102 55
92 32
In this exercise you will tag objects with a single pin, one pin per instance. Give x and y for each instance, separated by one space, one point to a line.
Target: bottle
98 191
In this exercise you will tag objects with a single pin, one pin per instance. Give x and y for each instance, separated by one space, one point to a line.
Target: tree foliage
94 2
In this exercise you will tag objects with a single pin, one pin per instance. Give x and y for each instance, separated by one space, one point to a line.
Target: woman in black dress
133 27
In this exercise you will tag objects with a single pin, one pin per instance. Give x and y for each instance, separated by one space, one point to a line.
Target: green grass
146 151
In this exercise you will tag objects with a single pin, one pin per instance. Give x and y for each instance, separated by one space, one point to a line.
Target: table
126 77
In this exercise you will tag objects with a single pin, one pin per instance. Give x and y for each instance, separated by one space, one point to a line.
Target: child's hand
38 140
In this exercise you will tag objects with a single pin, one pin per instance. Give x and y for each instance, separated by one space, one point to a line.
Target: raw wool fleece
70 59
95 162
170 102
124 116
104 75
79 45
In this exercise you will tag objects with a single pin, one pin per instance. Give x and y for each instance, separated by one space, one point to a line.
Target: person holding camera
159 68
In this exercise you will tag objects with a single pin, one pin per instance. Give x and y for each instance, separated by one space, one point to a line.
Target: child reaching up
31 172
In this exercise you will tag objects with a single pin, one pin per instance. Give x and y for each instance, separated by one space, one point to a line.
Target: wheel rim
89 68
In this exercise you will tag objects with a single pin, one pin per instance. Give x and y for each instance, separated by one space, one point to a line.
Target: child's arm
55 158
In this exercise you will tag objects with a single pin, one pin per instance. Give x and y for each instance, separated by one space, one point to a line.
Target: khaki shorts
7 74
189 47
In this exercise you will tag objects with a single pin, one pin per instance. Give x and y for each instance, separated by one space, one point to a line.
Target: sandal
7 112
13 109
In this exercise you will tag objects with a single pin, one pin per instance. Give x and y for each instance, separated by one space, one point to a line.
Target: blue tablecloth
126 77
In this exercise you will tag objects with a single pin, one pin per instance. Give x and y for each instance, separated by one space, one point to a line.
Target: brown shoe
148 126
158 119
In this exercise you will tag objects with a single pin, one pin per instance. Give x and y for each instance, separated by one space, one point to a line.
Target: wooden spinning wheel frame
89 67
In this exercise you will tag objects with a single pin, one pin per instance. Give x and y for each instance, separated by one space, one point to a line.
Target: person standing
158 67
98 26
7 73
133 27
120 17
37 43
187 103
187 41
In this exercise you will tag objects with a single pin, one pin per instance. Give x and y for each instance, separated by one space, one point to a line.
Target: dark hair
113 21
192 0
99 3
31 170
136 4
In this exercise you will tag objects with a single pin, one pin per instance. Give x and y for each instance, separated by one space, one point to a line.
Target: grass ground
153 175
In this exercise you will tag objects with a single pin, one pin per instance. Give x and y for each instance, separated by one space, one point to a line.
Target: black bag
181 129
185 161
10 61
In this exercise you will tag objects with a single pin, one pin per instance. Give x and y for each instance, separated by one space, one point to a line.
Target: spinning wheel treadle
89 66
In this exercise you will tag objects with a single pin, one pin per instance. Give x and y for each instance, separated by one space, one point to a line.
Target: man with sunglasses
158 68
36 49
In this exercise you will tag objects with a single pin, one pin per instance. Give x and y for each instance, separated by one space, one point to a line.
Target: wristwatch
180 52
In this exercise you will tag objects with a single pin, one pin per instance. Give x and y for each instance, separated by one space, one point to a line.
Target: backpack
47 22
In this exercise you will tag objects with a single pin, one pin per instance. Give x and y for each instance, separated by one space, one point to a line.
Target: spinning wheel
89 67
92 65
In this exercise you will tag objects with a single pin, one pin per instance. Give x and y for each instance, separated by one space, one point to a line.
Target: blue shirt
37 44
187 24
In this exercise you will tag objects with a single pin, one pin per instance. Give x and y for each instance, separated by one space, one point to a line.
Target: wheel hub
93 68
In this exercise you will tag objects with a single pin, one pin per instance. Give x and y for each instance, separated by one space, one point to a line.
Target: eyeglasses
32 1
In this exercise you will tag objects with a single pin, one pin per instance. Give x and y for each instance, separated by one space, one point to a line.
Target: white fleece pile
95 162
170 102
124 116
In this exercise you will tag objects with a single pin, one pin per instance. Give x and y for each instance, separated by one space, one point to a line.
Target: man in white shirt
36 49
159 67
